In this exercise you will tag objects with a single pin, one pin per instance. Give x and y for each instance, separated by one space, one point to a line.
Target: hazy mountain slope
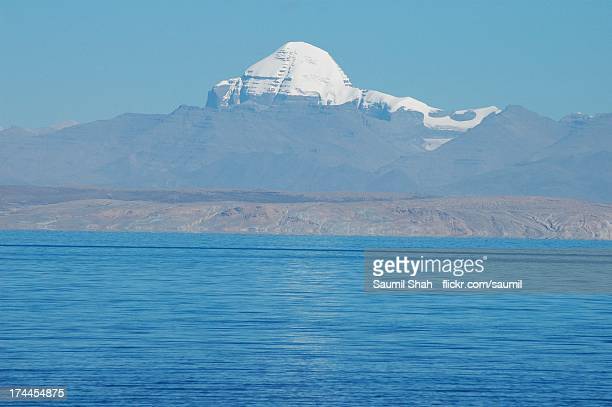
585 135
75 154
295 147
504 139
303 147
578 165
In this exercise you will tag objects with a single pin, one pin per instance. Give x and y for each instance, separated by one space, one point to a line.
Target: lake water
173 319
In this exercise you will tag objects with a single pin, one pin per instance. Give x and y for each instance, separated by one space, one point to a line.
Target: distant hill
379 214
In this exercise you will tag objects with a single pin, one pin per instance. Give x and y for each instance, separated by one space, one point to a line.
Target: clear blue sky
87 60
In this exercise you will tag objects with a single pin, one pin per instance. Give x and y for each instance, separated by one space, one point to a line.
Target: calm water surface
173 319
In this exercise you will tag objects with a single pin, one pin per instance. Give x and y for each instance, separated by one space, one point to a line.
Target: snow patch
372 98
431 144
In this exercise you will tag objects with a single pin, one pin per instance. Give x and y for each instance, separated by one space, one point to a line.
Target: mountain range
293 121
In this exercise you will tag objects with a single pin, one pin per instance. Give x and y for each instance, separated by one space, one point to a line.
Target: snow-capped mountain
294 122
299 70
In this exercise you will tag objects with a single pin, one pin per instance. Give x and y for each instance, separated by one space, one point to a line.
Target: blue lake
172 319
